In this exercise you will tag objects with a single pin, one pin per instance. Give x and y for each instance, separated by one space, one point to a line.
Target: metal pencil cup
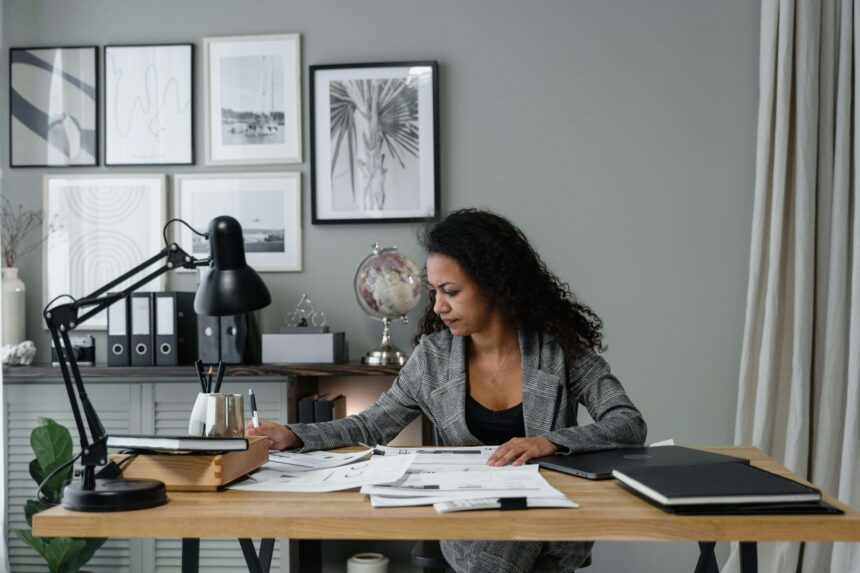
225 415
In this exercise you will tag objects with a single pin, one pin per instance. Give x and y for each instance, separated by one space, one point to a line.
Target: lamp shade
231 286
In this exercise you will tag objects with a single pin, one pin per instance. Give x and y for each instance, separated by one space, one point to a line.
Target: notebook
720 484
599 465
178 443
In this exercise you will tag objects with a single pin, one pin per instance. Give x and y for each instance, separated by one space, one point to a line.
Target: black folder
722 489
118 336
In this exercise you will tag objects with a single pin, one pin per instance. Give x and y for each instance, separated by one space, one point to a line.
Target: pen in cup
219 376
209 382
201 375
253 403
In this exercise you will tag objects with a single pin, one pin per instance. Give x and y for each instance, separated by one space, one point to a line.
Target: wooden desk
607 512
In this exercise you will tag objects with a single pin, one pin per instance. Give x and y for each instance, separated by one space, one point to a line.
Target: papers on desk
295 462
441 475
378 470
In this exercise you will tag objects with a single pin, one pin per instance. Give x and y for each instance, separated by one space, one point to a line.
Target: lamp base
115 495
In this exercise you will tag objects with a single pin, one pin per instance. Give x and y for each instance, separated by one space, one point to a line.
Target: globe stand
387 354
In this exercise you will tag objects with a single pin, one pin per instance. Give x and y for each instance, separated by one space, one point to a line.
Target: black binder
208 339
118 339
141 329
175 328
240 339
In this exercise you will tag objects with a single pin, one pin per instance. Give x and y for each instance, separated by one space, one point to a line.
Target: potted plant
52 444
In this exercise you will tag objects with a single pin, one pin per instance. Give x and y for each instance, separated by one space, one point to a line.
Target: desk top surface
606 512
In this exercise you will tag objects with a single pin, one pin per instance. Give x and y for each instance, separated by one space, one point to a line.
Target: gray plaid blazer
433 382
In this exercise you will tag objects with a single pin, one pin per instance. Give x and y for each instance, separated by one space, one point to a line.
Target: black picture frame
43 133
134 126
342 162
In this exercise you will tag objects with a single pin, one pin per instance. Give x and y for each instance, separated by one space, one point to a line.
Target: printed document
293 462
379 469
500 482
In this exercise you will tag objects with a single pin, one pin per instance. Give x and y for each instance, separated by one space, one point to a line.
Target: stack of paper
451 479
439 475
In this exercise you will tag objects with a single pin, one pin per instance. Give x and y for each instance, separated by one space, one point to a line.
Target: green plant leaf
59 551
36 543
32 507
36 471
52 444
79 559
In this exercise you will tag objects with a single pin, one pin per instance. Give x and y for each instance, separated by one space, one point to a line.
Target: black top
491 427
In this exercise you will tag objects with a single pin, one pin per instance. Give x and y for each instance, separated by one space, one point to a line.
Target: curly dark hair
499 258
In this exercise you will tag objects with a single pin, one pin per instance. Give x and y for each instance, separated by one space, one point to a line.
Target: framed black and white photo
253 99
149 111
374 142
99 227
53 107
267 205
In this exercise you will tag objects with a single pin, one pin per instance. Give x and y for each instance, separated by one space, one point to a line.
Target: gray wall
619 135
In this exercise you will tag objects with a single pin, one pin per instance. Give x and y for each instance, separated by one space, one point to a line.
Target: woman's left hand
521 450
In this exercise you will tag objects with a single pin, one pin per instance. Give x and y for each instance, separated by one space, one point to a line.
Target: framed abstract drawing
149 110
253 99
267 205
53 107
100 227
374 142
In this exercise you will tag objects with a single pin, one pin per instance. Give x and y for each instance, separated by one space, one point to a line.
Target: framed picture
253 99
99 227
149 111
374 142
53 107
267 205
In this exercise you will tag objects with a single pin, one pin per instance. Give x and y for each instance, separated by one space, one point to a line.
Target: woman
505 354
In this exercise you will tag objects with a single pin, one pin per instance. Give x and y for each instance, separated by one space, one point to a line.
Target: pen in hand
253 403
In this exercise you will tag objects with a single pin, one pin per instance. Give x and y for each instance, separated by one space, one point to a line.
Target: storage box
196 472
319 348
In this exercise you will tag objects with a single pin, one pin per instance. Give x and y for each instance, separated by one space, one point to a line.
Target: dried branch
15 224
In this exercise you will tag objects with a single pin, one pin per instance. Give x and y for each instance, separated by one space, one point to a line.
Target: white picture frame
253 99
149 104
99 227
267 205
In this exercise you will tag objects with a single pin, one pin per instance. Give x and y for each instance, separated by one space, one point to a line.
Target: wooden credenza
153 400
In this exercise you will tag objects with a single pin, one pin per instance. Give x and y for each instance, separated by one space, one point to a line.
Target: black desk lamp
231 287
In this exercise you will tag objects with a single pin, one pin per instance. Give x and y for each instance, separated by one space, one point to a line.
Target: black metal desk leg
261 563
305 556
749 557
190 555
707 562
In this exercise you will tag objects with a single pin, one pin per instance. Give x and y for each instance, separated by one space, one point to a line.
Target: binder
328 409
240 339
208 339
141 329
118 339
306 409
175 328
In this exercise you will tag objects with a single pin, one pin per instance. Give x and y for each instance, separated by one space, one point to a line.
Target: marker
253 402
219 376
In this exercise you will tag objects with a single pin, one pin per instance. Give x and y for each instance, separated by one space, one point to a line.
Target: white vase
14 306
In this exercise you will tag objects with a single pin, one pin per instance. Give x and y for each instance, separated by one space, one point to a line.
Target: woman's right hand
280 436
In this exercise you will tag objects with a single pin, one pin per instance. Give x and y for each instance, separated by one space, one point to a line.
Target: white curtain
799 394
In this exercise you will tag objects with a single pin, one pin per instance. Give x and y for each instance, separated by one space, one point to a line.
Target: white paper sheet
295 462
379 469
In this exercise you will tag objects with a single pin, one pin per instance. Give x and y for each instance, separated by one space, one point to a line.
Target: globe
387 286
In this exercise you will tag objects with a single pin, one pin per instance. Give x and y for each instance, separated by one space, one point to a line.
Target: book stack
321 408
719 489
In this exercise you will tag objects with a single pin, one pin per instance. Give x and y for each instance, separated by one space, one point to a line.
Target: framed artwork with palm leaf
374 142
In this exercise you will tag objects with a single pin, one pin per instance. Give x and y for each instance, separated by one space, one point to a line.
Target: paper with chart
294 462
436 459
379 469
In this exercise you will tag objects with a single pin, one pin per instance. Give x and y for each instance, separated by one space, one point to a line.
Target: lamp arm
63 318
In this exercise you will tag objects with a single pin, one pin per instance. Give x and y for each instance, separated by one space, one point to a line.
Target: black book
718 484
